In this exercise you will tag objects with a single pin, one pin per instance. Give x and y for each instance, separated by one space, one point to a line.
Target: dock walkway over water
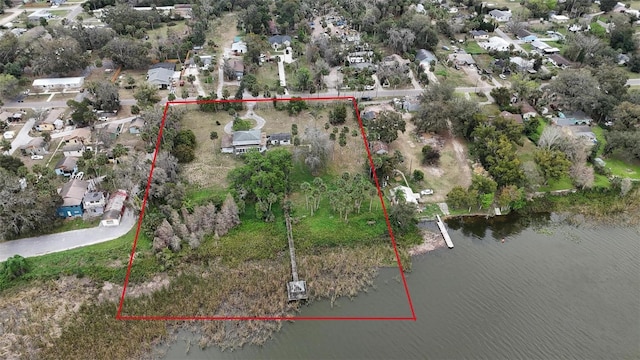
296 289
445 233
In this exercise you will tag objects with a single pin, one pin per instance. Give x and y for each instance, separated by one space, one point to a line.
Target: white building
409 195
500 16
495 43
115 209
58 83
559 18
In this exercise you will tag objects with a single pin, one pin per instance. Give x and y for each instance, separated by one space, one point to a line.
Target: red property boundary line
119 315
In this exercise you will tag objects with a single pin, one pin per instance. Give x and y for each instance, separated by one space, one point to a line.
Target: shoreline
431 241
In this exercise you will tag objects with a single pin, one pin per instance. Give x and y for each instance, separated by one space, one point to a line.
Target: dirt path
463 160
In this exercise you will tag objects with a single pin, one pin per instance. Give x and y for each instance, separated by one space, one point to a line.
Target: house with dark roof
378 148
559 61
526 36
164 65
242 141
72 194
280 41
160 76
425 58
74 148
67 166
515 117
461 59
238 68
279 139
479 34
527 111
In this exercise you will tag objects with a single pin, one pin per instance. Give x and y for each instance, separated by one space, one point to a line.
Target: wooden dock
445 233
296 289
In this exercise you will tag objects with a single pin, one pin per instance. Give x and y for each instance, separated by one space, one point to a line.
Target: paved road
260 121
13 16
633 82
47 244
23 137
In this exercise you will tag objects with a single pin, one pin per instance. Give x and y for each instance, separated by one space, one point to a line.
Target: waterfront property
444 232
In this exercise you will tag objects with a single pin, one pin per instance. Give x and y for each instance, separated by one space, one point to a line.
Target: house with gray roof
425 58
279 41
67 166
242 141
72 194
160 77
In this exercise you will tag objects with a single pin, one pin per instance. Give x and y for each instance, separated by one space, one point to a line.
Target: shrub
135 109
430 156
98 63
213 135
418 175
14 267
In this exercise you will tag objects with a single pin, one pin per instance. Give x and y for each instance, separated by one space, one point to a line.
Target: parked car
369 87
37 157
502 76
366 98
103 118
426 192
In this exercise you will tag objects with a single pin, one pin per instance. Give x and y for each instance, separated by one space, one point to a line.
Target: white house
93 203
479 34
409 195
279 139
239 48
242 141
500 15
495 43
115 209
558 18
58 83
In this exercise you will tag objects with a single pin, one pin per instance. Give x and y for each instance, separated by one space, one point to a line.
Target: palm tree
305 187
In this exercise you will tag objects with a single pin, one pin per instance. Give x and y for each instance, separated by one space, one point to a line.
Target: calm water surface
551 291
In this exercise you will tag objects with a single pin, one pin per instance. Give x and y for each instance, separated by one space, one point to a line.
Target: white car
369 87
502 76
426 192
103 118
37 157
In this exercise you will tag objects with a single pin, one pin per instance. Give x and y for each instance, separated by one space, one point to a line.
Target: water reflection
499 227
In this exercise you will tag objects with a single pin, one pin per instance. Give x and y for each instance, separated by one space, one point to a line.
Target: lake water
550 291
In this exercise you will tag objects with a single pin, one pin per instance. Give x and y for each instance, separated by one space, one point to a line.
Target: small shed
279 139
115 209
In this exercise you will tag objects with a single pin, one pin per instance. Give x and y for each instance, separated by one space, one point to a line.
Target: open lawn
623 169
160 33
473 48
64 96
563 183
525 152
602 142
267 74
452 76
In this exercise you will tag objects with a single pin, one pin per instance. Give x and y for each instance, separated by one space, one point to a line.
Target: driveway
47 244
23 137
228 128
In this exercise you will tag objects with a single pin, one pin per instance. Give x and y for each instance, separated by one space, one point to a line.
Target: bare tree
228 217
163 236
400 39
317 150
550 137
582 175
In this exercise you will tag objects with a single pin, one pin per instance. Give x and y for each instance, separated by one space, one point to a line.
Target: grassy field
563 183
472 47
452 76
623 169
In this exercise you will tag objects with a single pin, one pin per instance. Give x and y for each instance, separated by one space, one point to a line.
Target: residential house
526 36
378 148
527 111
461 59
35 16
521 63
160 77
5 116
115 208
15 117
623 59
242 141
360 57
515 117
500 15
559 61
113 130
280 41
495 43
58 83
279 139
568 119
425 58
238 68
53 121
479 35
37 146
239 48
72 194
558 18
544 48
136 126
409 195
368 115
411 105
362 66
74 148
67 166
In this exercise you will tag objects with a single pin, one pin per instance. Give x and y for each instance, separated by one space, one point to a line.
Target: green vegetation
623 169
563 183
242 124
472 47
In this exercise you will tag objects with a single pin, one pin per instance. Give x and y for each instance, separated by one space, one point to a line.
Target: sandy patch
432 241
112 292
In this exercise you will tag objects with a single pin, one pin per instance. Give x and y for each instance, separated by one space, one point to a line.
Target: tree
9 86
458 198
105 95
626 116
127 52
338 115
58 56
318 150
553 164
82 114
510 197
386 126
582 175
228 217
146 96
10 163
551 137
577 89
400 39
14 267
303 79
502 96
402 218
430 156
625 143
607 5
